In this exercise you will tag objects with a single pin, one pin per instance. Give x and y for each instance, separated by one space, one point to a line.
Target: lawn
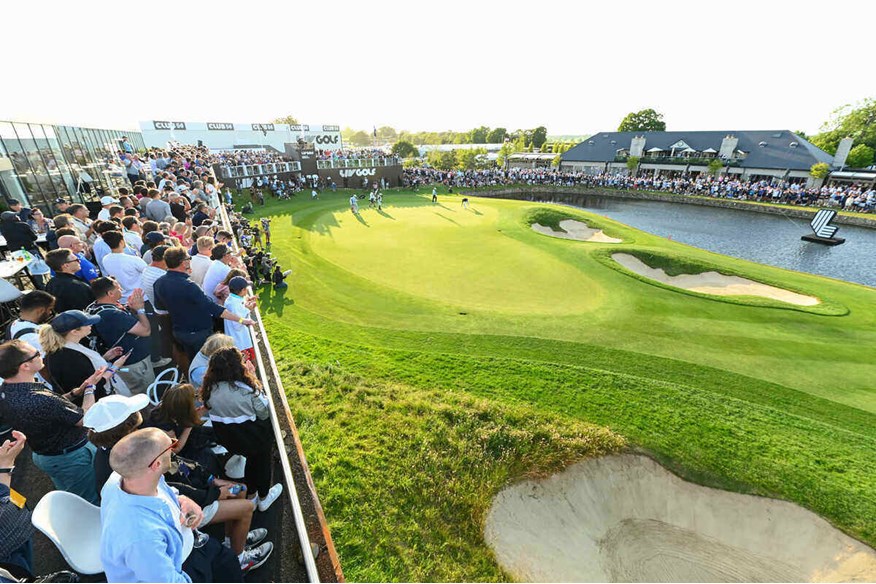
433 353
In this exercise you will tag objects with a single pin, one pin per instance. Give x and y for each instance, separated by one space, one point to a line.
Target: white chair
73 525
167 378
8 292
235 467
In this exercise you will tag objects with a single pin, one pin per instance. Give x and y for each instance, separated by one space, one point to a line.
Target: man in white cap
106 202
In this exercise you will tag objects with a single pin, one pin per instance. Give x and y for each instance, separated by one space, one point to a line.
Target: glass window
20 151
53 186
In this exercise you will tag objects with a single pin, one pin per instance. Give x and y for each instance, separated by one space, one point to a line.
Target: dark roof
777 152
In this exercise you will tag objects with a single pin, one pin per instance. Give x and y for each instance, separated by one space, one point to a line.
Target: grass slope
398 322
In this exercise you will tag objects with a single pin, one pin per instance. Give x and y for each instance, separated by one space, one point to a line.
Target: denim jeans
72 472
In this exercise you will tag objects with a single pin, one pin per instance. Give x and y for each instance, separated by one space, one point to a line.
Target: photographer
279 277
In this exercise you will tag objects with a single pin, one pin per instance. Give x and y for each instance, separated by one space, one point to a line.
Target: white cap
112 410
107 200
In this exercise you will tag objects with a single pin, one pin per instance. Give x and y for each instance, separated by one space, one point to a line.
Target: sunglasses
160 454
31 358
70 261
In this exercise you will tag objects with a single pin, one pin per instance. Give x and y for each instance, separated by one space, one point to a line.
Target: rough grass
407 474
433 402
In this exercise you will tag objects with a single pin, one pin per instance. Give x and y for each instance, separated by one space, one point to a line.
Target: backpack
95 342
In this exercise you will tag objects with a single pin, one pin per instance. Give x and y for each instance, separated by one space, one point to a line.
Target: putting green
450 255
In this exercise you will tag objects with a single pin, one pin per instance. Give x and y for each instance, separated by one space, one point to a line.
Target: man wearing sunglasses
52 423
146 527
70 292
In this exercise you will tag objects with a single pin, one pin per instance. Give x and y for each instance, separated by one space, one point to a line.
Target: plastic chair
172 378
8 292
73 525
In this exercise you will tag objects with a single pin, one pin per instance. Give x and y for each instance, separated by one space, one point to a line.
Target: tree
468 158
646 120
860 156
715 167
441 160
387 134
496 136
820 170
858 122
360 138
539 136
404 149
478 135
633 164
291 120
505 151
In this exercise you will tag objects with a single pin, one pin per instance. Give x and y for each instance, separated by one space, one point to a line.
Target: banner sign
331 128
348 172
262 127
219 126
162 125
326 139
299 128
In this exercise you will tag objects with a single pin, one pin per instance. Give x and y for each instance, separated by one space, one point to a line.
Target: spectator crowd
152 282
848 197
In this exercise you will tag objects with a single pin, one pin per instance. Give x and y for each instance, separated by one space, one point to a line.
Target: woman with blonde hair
183 233
69 362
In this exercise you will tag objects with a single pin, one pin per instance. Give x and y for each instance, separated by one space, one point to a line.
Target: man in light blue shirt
145 531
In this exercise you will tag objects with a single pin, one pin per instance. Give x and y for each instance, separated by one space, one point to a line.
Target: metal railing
358 162
260 341
249 170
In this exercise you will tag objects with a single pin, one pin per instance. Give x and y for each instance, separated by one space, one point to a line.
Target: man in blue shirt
191 311
146 528
87 270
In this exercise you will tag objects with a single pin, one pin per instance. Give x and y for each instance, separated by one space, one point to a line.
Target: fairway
397 322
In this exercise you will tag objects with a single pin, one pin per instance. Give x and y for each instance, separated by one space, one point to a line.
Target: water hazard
767 239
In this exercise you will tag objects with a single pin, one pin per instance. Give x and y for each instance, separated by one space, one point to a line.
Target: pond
767 239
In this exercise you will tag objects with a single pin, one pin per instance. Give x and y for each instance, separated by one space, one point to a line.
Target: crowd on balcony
848 197
351 154
154 282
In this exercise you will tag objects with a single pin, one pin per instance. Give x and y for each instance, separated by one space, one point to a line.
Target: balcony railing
694 161
250 170
358 162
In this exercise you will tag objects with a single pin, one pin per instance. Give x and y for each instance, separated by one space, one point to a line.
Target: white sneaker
273 494
255 557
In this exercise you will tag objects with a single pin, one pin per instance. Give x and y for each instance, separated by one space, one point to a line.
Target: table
16 269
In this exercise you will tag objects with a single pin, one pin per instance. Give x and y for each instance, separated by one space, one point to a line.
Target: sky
574 67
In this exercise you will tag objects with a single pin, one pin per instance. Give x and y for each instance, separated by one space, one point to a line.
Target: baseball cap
112 410
60 200
238 283
73 319
107 200
155 237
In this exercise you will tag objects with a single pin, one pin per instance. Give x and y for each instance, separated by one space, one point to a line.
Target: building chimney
728 146
842 152
637 146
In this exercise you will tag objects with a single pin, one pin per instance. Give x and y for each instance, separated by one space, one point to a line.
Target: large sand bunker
713 282
627 519
577 231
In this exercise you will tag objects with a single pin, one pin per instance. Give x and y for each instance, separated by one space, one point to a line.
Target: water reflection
767 239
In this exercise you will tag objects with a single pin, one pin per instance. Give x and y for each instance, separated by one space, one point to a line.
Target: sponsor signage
348 172
263 127
331 128
219 126
299 128
326 139
163 125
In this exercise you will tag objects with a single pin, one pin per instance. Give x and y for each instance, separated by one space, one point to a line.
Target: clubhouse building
748 155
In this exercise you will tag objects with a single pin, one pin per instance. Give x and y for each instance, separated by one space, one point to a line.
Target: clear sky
574 67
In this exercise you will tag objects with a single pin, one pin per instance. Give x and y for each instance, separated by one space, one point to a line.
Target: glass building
40 163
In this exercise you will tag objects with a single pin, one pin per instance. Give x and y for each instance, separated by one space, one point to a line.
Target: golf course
433 355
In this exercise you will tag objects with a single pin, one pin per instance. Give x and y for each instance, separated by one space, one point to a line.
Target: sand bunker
627 519
713 283
577 231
